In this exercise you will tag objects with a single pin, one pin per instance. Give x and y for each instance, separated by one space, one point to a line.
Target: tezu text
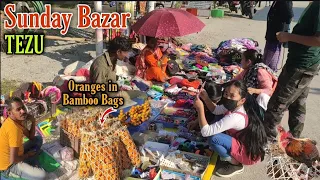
24 44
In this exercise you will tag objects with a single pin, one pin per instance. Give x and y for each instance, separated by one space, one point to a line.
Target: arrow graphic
106 112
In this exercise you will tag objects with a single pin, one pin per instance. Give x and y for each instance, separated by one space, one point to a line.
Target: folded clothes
184 95
173 90
176 80
181 52
191 89
201 62
199 66
141 85
126 88
197 48
188 63
154 94
202 56
195 84
186 47
183 103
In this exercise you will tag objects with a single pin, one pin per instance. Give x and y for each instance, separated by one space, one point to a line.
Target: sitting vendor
258 77
104 68
15 156
239 137
152 63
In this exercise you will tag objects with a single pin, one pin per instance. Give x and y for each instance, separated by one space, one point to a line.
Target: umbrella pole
151 5
99 32
172 4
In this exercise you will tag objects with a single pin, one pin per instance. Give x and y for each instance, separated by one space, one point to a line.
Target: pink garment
238 151
199 66
186 47
132 35
240 76
84 72
176 80
232 68
267 82
199 54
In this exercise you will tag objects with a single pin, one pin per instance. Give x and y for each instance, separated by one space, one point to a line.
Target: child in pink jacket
258 77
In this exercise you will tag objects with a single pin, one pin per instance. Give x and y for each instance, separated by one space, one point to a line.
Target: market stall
148 138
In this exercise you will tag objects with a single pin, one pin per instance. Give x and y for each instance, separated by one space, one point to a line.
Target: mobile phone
202 86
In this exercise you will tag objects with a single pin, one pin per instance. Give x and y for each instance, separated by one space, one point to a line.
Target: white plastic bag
67 154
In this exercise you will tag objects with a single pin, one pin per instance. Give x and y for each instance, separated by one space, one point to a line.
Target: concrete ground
58 54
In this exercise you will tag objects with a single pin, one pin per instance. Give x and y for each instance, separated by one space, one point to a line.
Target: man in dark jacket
302 65
103 69
279 19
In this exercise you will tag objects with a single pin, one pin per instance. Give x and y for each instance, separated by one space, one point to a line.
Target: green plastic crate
217 13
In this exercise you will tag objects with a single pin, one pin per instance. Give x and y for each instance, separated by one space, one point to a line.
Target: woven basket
282 167
107 150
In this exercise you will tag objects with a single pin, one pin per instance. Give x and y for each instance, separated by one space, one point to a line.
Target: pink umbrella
168 22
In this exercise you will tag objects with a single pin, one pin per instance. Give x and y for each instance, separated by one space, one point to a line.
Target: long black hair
119 43
253 137
214 90
253 55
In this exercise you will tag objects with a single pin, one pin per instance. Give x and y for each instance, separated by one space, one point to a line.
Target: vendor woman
103 67
239 137
152 63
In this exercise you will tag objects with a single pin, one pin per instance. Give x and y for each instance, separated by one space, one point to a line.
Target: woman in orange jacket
152 63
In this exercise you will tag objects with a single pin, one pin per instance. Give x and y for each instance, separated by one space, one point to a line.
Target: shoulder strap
244 115
106 54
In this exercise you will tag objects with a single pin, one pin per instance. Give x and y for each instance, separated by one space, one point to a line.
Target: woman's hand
193 125
203 94
198 104
163 57
254 91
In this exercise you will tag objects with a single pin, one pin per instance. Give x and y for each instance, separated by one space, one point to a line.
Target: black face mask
229 103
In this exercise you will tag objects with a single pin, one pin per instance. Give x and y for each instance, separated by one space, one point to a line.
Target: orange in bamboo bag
126 162
84 167
130 147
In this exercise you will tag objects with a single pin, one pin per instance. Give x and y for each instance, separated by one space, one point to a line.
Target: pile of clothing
230 51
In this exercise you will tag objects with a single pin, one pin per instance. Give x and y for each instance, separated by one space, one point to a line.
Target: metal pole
173 3
99 32
133 9
151 5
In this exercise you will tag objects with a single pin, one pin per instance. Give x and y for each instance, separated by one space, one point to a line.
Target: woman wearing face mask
239 137
258 77
152 63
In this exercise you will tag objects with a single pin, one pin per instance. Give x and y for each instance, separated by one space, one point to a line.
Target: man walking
302 65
